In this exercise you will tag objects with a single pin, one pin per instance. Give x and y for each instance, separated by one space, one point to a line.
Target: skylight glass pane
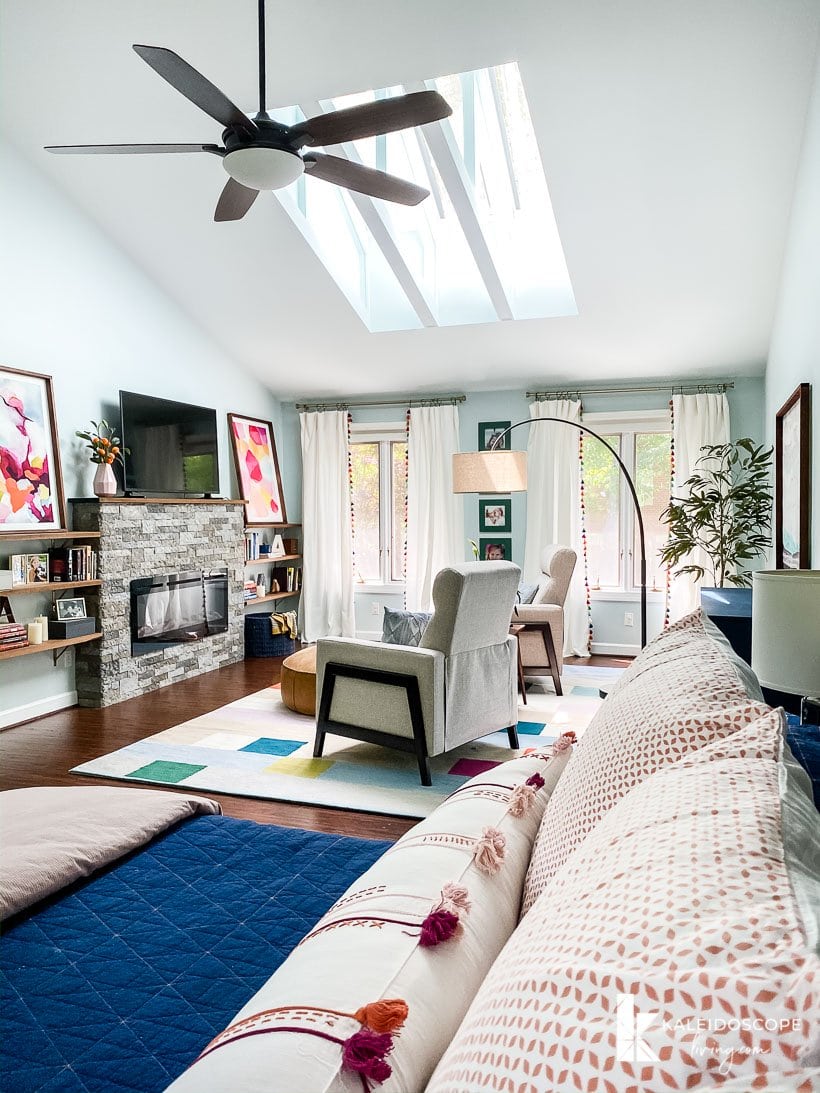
483 246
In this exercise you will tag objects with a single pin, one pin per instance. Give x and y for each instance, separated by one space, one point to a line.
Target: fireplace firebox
177 608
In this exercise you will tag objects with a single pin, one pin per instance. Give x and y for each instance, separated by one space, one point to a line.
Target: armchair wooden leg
512 733
549 645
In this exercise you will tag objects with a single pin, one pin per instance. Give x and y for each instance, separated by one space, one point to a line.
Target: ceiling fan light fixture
261 168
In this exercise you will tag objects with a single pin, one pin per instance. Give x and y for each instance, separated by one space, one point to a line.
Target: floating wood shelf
272 596
273 561
20 537
47 646
156 500
47 586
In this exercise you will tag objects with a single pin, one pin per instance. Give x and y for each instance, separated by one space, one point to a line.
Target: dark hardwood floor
43 751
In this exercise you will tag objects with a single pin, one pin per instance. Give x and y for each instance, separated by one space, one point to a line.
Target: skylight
483 247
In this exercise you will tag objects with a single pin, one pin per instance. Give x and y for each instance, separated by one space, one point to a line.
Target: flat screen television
173 446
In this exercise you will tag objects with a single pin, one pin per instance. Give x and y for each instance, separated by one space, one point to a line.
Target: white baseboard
610 649
29 710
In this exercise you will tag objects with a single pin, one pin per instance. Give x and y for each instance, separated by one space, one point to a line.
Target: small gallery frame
488 431
33 452
494 515
257 470
73 608
495 548
792 473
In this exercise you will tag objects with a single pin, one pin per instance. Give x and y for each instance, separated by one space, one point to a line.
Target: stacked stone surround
144 540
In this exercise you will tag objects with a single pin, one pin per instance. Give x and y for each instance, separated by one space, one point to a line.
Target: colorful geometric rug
256 747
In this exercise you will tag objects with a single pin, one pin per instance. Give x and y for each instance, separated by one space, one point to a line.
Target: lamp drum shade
489 472
786 630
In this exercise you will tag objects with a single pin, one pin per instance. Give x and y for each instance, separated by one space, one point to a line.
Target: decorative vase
105 481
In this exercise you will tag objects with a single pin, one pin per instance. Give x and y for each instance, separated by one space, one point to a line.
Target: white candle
35 633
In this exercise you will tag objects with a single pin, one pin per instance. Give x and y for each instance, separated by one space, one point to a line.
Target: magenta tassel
535 780
437 927
364 1052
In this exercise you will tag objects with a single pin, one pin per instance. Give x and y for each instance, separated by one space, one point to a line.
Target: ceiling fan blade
194 86
364 180
130 149
234 201
373 118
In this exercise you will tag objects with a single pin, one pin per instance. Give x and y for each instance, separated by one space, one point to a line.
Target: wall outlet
629 618
375 608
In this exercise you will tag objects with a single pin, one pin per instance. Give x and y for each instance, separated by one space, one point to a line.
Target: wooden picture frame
29 455
494 515
257 470
792 476
487 430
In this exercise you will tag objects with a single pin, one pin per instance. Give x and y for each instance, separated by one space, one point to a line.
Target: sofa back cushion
367 951
679 694
669 952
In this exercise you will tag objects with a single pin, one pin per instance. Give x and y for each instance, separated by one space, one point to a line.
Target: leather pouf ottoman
299 681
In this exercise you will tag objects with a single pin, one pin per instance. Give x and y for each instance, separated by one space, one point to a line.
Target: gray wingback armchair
458 685
542 640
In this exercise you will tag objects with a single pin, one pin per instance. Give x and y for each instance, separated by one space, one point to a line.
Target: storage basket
261 642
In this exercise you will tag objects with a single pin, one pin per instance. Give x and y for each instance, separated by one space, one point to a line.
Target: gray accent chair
458 685
541 642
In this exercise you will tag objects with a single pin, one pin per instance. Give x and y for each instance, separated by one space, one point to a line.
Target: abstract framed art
792 471
257 470
31 483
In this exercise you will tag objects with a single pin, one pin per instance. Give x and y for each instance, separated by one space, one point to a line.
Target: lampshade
786 630
489 472
263 168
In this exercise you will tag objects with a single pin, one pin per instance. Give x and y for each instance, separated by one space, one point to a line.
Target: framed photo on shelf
36 569
792 474
73 608
494 515
495 549
31 482
488 431
257 470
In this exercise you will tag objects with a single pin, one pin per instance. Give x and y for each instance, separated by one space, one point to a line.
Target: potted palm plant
727 513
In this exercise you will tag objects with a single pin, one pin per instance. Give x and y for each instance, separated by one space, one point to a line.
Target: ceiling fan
262 154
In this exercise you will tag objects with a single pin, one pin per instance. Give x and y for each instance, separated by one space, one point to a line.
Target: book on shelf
82 564
13 635
249 591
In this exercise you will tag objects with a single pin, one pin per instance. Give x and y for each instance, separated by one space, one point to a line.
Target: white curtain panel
435 515
554 509
698 420
326 607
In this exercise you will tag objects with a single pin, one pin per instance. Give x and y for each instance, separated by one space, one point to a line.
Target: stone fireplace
155 538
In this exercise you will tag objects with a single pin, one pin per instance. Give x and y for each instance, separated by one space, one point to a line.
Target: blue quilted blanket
120 983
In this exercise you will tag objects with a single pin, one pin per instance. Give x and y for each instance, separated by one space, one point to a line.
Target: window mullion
385 503
628 512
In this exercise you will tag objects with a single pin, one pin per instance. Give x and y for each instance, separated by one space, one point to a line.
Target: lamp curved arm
495 444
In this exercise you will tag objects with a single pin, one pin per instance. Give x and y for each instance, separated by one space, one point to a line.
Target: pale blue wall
746 416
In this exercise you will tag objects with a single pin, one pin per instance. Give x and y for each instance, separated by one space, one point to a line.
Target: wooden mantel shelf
156 500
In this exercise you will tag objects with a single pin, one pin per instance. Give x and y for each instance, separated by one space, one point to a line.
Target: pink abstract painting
257 470
30 489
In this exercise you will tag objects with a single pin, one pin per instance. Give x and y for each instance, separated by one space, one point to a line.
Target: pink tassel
563 743
437 927
489 851
522 799
455 898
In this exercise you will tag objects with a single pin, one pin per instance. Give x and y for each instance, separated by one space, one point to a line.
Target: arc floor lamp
501 471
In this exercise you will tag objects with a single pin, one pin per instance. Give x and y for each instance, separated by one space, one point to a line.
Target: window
378 461
642 440
484 245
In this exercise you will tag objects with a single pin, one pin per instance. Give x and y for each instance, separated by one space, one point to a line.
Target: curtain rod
442 400
720 388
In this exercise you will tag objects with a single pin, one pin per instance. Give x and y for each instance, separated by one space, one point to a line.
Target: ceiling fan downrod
262 110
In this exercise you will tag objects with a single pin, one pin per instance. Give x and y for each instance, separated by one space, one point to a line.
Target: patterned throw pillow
669 952
404 627
679 694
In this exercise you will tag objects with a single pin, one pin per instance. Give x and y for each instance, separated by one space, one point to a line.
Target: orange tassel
388 1015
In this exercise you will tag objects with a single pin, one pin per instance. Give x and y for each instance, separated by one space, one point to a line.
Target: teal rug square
531 728
266 745
163 771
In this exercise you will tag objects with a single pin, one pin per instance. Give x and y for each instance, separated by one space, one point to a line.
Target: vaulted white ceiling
669 132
